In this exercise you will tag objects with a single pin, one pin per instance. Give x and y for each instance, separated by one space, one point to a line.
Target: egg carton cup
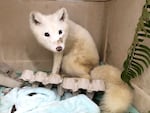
67 83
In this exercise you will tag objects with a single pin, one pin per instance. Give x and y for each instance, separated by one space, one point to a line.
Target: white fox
76 54
73 47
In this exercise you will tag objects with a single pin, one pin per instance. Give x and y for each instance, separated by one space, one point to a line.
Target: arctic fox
118 95
73 47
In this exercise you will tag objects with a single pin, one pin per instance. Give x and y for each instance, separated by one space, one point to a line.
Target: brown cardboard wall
17 45
122 19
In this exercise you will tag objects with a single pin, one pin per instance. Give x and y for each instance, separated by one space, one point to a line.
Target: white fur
79 50
118 95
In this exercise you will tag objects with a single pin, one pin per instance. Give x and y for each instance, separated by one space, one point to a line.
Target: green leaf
147 24
147 3
142 50
136 68
144 35
145 47
141 60
126 63
136 71
140 40
132 73
124 76
145 14
138 64
144 56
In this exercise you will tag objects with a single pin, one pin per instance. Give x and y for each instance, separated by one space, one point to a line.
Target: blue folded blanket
41 100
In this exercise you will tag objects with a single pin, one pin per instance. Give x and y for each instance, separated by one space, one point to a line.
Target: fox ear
36 18
62 14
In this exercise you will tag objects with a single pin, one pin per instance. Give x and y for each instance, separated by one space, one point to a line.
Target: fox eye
47 34
60 32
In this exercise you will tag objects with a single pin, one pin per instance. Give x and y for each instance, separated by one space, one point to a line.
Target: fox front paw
55 78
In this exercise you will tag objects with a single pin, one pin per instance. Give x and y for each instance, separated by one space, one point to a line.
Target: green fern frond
139 54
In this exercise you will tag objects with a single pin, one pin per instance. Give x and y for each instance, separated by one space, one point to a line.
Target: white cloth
41 100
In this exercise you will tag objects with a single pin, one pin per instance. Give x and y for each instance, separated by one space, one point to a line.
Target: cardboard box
112 24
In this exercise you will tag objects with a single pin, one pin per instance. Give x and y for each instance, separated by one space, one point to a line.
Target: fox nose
59 48
60 40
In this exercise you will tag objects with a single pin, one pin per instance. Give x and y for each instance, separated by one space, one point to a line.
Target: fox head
51 30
